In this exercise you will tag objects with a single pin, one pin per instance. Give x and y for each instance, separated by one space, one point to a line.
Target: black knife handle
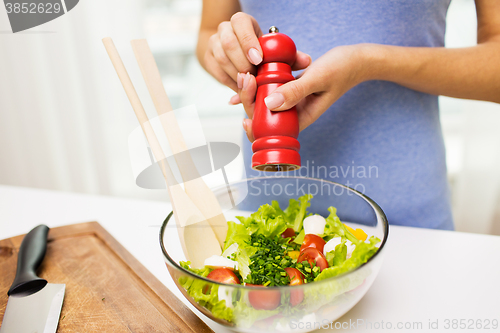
30 257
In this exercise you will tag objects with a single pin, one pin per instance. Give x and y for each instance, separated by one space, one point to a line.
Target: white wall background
65 120
472 139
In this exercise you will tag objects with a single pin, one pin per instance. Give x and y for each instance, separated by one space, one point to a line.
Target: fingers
312 107
291 93
247 31
248 92
248 89
309 109
303 61
220 55
235 100
218 73
247 126
239 81
232 56
234 49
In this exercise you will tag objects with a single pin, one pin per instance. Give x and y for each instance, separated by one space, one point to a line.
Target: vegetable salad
277 247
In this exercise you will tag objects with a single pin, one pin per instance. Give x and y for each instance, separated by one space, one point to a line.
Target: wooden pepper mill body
276 147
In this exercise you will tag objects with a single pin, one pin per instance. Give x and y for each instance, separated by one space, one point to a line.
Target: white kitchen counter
427 275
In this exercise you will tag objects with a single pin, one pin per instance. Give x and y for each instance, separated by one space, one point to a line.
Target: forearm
472 73
214 12
202 45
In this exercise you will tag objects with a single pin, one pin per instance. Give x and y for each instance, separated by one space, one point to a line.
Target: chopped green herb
270 270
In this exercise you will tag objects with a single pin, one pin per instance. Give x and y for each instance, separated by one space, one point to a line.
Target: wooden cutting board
107 289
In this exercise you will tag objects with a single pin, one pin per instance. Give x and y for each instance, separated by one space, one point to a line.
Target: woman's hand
235 48
319 86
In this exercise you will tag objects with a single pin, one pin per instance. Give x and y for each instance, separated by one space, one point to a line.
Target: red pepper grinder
276 147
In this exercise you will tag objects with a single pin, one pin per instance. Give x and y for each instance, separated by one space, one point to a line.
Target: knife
34 305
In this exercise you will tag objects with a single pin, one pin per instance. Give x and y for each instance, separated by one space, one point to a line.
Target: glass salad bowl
298 308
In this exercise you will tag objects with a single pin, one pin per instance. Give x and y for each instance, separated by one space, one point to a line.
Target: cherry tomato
265 299
312 255
288 233
223 275
314 241
296 278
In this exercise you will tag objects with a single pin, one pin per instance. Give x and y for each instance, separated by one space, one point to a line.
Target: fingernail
254 55
239 80
246 81
244 125
234 100
274 100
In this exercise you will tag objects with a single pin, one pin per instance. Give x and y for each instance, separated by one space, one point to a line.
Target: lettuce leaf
332 292
245 221
301 214
337 256
210 300
295 213
242 256
300 237
334 227
236 233
219 308
275 204
247 315
201 272
360 255
239 234
265 221
291 211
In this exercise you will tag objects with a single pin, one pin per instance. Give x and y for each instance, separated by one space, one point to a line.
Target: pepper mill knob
276 147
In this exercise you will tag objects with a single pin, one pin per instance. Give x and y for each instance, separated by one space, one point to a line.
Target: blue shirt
380 138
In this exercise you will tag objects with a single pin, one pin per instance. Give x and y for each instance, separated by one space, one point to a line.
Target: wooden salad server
196 189
197 238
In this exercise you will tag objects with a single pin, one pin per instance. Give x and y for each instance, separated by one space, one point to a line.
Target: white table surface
427 275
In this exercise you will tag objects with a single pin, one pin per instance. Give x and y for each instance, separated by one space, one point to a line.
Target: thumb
290 94
302 61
